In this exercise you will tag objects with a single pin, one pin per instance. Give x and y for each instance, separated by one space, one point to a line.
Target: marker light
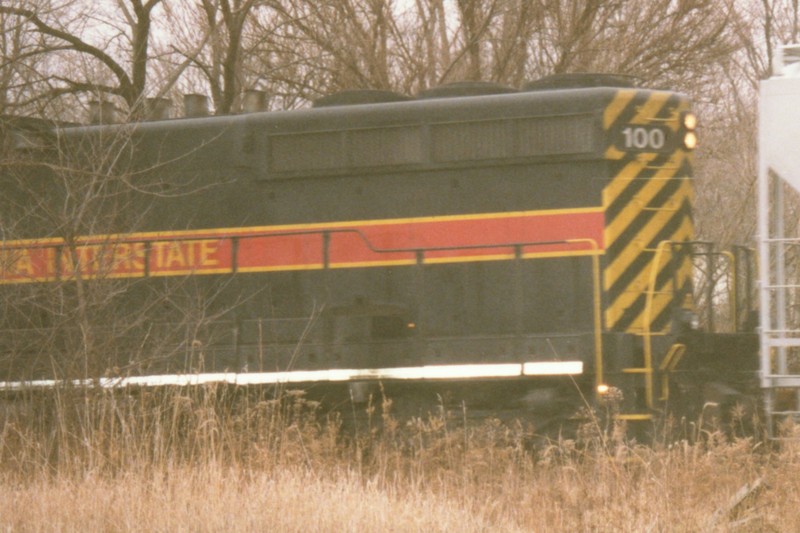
602 389
690 140
688 125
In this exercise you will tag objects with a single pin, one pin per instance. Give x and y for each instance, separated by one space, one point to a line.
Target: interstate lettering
112 259
184 255
93 260
15 263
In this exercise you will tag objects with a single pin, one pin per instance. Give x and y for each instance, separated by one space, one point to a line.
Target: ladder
779 336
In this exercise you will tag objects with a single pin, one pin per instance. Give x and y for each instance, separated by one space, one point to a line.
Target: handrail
88 241
326 234
646 330
597 312
732 283
668 365
748 258
672 358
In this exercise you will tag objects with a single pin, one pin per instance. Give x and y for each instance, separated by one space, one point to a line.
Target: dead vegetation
224 459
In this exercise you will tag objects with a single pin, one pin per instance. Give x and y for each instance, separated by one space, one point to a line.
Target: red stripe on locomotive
253 249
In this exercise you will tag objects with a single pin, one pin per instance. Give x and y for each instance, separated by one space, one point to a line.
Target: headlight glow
690 140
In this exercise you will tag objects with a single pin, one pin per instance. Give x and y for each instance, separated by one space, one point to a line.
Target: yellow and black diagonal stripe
647 201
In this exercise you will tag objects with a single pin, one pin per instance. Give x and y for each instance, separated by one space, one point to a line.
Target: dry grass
221 460
215 498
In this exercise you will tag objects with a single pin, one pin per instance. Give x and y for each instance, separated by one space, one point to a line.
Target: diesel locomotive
527 250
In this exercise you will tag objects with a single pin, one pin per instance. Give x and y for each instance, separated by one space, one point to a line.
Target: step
637 370
785 342
786 413
782 333
786 381
634 417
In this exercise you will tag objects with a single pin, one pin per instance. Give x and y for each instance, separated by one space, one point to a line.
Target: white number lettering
642 138
656 139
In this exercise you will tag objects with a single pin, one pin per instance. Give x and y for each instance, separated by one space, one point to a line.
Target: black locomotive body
512 248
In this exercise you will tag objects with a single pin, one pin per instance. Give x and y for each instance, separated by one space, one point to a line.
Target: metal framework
779 286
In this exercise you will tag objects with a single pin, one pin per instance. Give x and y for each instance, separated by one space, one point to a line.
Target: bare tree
347 41
222 63
60 35
15 74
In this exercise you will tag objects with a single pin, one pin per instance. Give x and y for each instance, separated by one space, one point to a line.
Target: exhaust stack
101 112
195 105
254 101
